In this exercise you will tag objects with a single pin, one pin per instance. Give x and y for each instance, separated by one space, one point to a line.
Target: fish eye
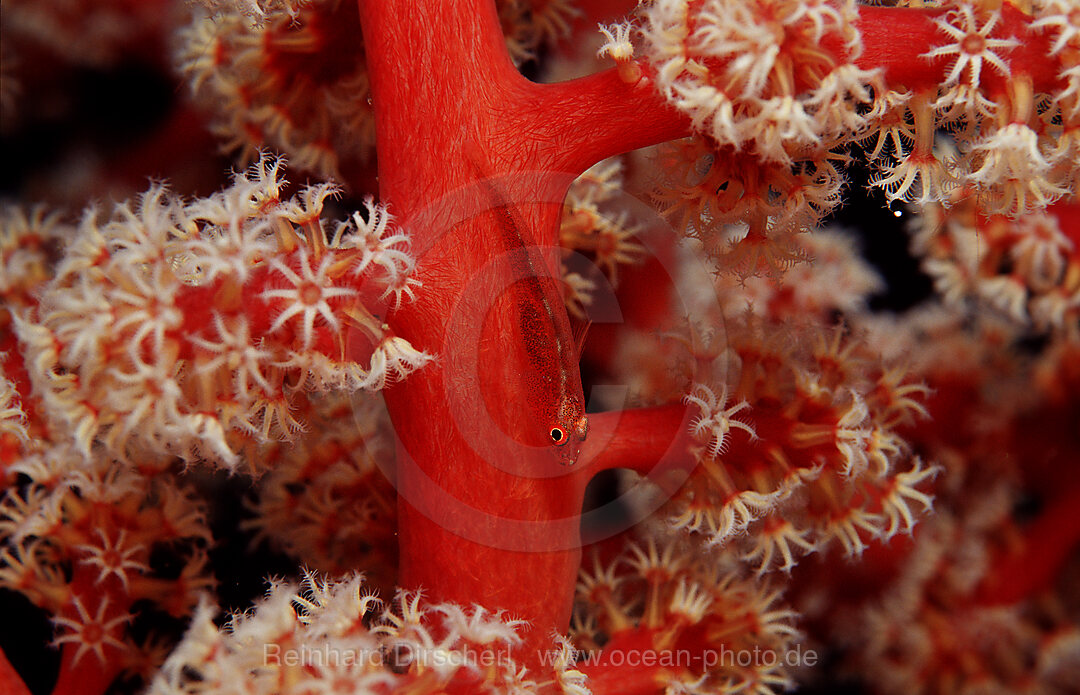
558 435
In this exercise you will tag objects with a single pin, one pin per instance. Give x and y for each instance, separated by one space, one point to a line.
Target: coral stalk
481 515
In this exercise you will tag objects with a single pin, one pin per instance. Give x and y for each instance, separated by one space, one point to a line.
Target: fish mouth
569 456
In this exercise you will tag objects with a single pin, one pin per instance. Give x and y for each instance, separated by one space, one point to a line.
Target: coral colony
532 353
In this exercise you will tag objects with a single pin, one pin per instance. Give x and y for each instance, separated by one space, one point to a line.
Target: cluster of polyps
656 597
324 498
772 89
780 87
293 80
590 227
196 329
798 447
330 636
1015 124
25 240
747 213
933 628
78 538
1027 268
836 280
759 75
532 25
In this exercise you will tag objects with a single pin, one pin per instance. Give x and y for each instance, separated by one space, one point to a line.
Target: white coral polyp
617 45
307 296
1041 251
394 359
973 44
382 245
1010 163
716 420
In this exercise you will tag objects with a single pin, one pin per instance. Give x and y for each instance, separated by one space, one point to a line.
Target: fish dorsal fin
579 330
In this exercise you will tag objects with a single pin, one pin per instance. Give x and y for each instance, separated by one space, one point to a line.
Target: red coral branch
9 679
584 121
1047 543
637 440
